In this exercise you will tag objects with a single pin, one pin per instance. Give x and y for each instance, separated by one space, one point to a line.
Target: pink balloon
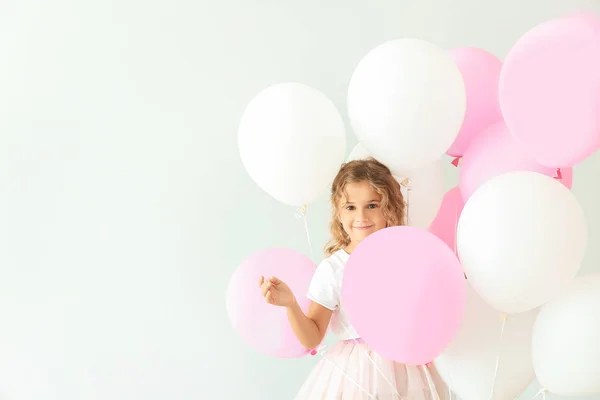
550 90
481 74
445 223
495 152
263 326
586 17
404 293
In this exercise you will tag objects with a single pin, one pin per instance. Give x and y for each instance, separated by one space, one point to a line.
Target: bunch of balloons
512 220
512 226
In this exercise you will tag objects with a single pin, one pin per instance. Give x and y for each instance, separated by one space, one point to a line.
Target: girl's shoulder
330 271
336 261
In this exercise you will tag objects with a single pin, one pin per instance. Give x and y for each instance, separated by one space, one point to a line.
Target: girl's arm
310 329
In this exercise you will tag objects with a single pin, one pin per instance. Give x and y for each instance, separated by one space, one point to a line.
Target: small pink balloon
550 90
445 223
263 326
404 293
481 73
495 152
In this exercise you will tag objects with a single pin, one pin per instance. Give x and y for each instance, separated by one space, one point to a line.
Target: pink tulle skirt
346 372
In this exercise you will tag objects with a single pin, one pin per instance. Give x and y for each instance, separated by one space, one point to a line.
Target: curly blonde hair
382 181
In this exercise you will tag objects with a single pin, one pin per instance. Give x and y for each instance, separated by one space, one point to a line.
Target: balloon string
346 375
503 317
373 362
543 392
301 214
450 388
430 381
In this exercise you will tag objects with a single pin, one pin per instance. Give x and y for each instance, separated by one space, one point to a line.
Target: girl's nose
361 216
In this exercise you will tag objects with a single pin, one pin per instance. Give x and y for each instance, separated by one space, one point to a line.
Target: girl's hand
276 292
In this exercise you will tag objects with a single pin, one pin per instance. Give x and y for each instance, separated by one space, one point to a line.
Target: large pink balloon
550 90
445 223
404 293
481 73
263 326
495 152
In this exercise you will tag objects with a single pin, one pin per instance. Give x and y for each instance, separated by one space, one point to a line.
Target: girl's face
360 212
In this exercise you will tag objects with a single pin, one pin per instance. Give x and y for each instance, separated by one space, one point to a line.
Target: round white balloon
406 103
566 340
521 239
292 142
359 152
422 188
467 365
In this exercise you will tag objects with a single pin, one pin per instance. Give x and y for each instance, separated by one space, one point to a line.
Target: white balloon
566 340
292 142
359 152
423 189
521 239
424 194
406 103
468 364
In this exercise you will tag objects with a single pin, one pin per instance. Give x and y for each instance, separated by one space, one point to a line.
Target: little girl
365 198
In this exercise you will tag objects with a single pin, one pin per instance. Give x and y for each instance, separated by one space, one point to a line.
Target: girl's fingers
275 281
265 288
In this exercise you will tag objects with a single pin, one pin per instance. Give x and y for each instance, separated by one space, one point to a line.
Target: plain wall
124 206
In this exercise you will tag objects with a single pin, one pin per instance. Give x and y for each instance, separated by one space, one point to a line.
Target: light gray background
124 207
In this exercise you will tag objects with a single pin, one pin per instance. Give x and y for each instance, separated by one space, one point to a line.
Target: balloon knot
300 212
317 350
456 161
558 174
428 365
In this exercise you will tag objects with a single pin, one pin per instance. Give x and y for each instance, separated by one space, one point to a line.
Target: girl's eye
372 206
350 208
